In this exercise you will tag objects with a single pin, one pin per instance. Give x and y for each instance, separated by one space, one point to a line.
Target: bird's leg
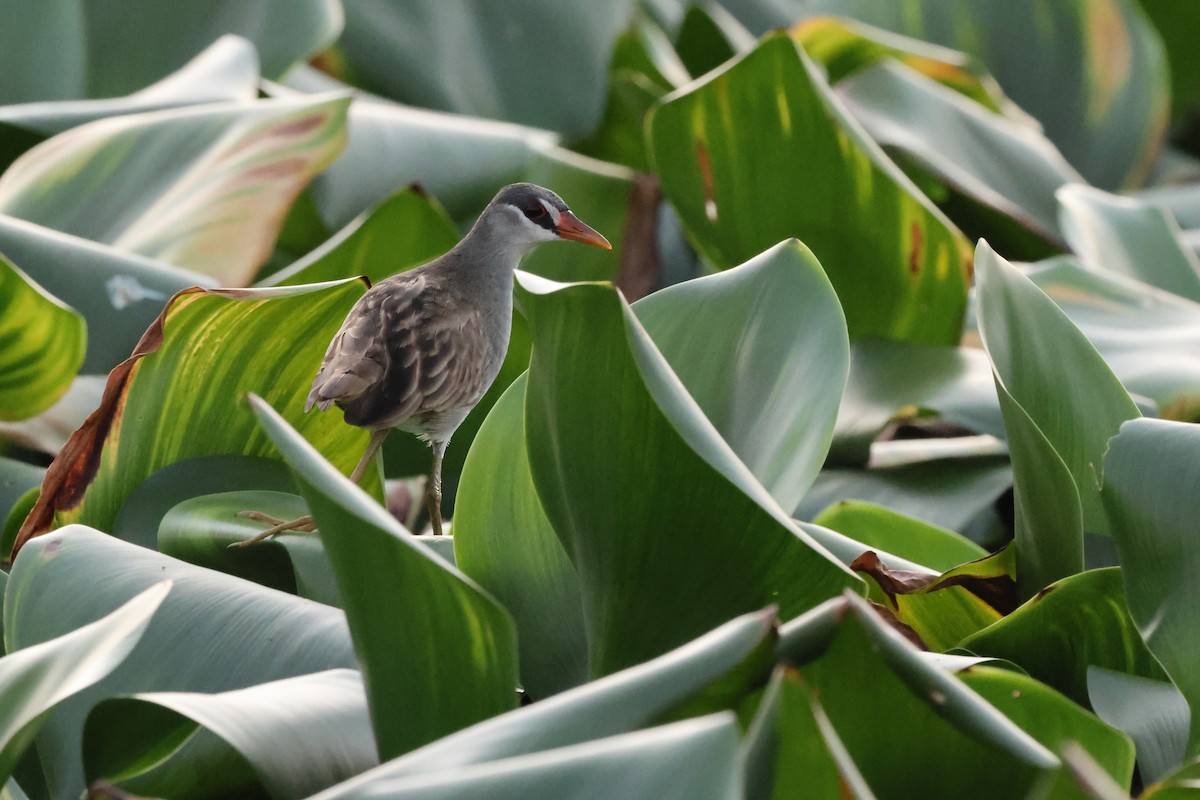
433 497
305 524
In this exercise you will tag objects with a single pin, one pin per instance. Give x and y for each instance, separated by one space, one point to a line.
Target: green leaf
97 53
709 36
691 489
877 526
1150 338
38 677
695 759
403 231
204 188
503 540
448 627
616 704
152 416
208 636
1070 625
1153 713
1056 377
16 479
759 151
297 735
776 414
1129 237
43 345
1150 474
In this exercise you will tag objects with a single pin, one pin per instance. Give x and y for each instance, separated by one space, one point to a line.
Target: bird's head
527 214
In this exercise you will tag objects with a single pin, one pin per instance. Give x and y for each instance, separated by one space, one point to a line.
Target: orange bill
570 227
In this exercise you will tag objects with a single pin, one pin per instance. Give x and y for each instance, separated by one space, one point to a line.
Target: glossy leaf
43 345
449 626
709 36
1130 238
878 526
37 678
207 190
1153 713
773 390
124 442
297 736
694 492
1150 469
208 636
759 151
1070 625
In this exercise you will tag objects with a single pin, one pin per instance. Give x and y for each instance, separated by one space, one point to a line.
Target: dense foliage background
885 486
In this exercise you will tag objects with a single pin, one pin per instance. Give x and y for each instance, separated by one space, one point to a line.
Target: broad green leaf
1052 719
204 188
119 294
16 479
1150 338
42 343
403 231
1150 475
1151 712
878 526
877 690
1182 784
737 655
225 70
34 679
297 736
709 36
691 760
475 59
96 52
503 540
415 619
759 151
634 418
152 416
769 386
1055 376
213 633
1128 237
1002 163
1070 625
203 530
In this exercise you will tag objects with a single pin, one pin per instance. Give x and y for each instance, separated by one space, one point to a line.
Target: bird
420 348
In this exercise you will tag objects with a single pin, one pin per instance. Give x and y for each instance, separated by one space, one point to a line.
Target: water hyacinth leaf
473 59
35 679
1072 624
760 151
207 636
297 736
117 292
1150 494
770 387
571 415
1129 237
448 626
1005 164
1150 338
16 479
151 416
225 70
406 229
623 702
503 540
691 760
1052 719
709 36
43 345
1053 373
207 191
878 526
1153 713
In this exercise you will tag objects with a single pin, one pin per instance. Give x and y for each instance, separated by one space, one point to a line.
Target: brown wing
406 351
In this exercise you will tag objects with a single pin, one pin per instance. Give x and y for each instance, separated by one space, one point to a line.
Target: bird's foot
303 524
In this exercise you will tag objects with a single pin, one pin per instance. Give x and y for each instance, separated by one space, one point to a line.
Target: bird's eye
534 212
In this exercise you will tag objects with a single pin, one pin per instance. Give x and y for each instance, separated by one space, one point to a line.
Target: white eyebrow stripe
554 215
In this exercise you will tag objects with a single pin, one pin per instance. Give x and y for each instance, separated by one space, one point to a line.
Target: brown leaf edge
76 464
999 592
